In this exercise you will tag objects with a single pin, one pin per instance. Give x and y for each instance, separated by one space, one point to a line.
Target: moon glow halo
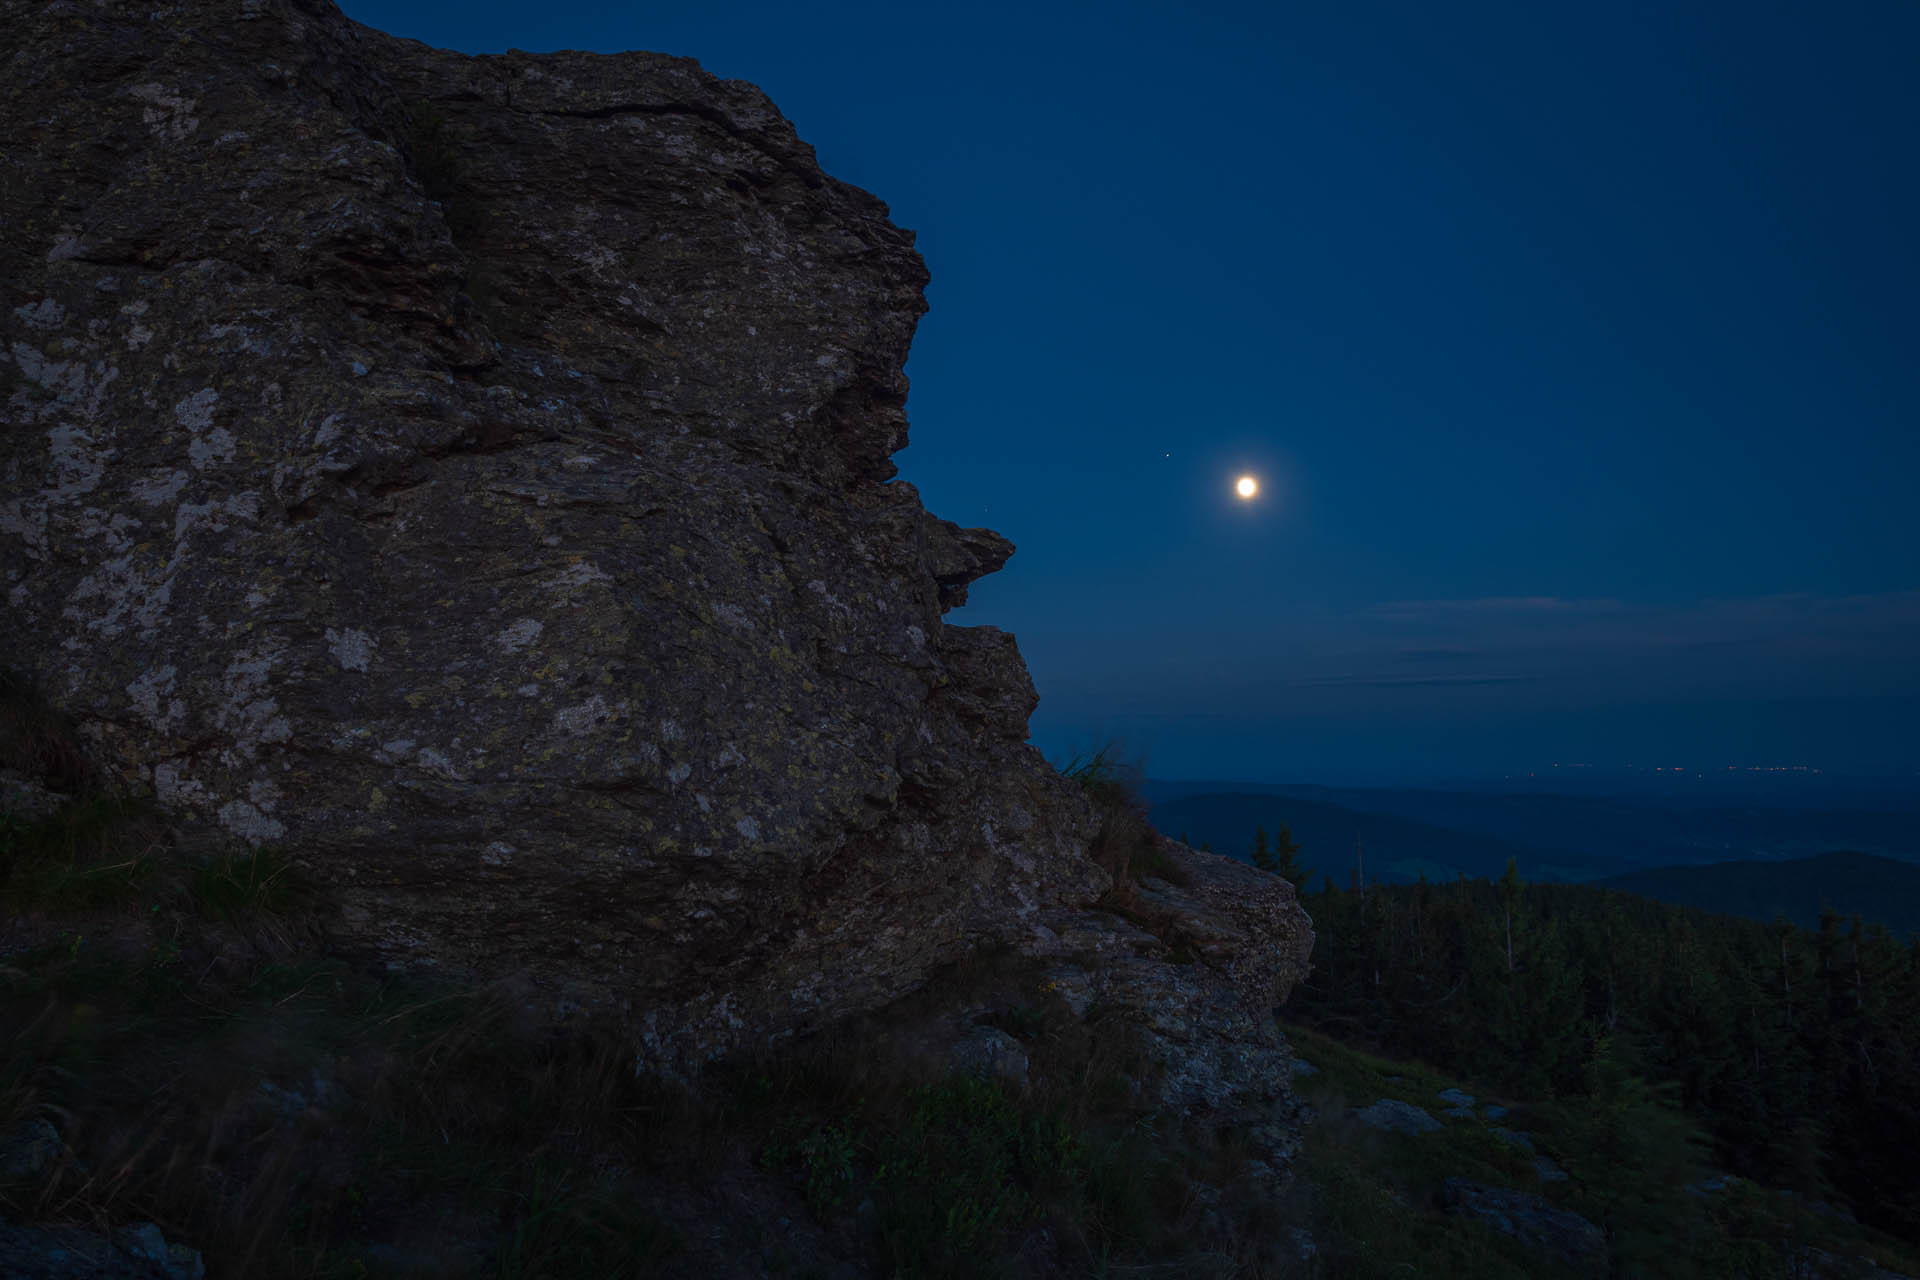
1246 486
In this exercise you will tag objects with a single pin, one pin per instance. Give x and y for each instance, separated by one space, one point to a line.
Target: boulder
24 799
1239 920
144 1241
991 1054
1392 1116
469 475
1564 1235
29 1150
1211 952
137 1252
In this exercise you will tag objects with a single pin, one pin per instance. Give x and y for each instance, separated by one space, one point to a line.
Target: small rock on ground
1532 1221
174 1261
991 1053
137 1252
1809 1263
27 1149
1397 1117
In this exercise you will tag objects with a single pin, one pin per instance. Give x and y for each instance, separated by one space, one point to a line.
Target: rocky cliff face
470 475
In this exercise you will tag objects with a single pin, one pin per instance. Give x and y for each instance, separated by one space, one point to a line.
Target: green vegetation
1795 1051
1282 859
236 886
360 1120
93 853
177 1015
1633 1151
1375 1195
953 1167
327 1098
1629 1153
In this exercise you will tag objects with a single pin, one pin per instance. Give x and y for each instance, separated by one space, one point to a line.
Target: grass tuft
1125 843
97 851
237 886
38 741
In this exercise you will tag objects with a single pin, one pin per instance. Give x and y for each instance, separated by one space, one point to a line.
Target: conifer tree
1509 903
1634 1152
1797 1049
1281 858
1286 857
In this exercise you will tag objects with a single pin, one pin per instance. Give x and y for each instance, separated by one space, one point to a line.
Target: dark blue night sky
1577 348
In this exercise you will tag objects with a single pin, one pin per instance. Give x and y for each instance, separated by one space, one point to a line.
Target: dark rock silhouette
467 474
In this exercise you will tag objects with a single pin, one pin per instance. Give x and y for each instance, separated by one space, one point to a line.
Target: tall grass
342 1110
1124 842
38 741
96 851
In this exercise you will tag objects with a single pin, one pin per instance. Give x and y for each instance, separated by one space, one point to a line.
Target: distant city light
1703 770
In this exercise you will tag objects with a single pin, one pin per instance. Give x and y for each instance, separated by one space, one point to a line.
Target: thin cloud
1412 682
1484 605
1439 655
1556 654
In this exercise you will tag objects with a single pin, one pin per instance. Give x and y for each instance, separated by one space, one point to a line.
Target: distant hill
1397 849
1879 889
1613 833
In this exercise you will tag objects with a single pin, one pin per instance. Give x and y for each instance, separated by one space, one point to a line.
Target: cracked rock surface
469 475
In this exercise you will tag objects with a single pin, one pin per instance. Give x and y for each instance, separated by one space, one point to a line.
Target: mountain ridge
1878 889
1394 848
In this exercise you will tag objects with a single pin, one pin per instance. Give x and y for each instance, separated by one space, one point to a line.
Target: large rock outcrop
471 476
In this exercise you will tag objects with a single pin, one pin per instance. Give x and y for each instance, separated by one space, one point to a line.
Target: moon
1246 486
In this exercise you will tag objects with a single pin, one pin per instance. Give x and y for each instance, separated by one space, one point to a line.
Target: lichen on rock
473 476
